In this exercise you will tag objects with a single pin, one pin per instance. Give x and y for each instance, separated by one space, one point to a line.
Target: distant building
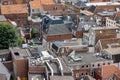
52 9
97 33
55 32
36 6
9 2
16 12
107 43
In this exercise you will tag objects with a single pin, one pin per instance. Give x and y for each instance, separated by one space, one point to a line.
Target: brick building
20 63
61 48
92 1
116 75
97 33
107 43
52 9
16 12
83 64
36 5
6 59
9 2
55 32
105 72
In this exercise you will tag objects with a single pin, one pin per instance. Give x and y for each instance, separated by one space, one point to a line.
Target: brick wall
57 37
20 67
8 65
20 19
80 71
37 68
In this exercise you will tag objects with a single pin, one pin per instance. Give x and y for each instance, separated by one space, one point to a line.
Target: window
33 10
86 73
93 65
103 63
82 74
98 65
108 63
86 66
82 66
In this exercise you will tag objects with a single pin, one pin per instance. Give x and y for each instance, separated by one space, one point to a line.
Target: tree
8 35
33 33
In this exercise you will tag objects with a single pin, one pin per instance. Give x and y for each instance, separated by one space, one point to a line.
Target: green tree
33 33
8 35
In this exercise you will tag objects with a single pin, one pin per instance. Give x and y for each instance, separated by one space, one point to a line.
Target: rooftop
69 43
103 28
50 7
36 77
102 3
20 53
5 51
107 13
35 4
14 9
107 71
113 51
82 58
2 77
4 70
2 18
61 78
57 29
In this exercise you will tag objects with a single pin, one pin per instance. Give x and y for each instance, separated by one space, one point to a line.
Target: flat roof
5 51
61 78
20 53
113 51
4 70
87 58
36 77
2 18
103 28
106 13
102 3
69 43
55 67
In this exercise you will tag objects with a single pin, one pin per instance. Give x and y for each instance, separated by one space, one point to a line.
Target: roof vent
75 57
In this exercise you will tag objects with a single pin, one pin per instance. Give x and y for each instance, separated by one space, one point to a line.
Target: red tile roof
36 4
14 9
107 71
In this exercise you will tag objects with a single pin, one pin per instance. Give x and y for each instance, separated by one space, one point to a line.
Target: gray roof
2 18
87 58
4 70
106 13
86 25
2 77
61 78
57 29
